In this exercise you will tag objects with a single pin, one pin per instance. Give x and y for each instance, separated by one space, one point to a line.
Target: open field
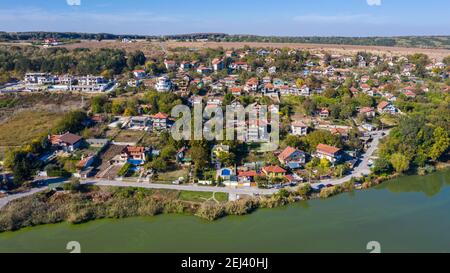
129 136
150 48
438 54
24 126
196 196
172 175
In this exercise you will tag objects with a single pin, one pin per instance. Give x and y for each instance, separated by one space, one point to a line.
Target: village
331 108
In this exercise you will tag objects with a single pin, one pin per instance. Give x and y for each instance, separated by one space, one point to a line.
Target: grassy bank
79 204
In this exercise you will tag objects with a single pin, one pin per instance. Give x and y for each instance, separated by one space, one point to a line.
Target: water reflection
430 185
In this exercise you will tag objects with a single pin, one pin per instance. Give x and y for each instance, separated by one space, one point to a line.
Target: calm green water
410 214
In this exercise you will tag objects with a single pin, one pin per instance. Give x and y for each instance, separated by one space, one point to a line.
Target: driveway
363 166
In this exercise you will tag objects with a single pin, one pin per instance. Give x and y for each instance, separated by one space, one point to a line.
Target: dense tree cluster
20 60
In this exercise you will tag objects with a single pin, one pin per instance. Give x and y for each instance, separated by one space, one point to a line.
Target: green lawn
172 175
197 196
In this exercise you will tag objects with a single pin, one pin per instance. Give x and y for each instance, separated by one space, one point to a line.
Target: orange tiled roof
327 149
286 153
273 169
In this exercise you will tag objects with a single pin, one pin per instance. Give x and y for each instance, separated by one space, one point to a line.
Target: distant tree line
405 41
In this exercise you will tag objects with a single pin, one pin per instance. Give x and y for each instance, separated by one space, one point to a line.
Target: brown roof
69 138
327 149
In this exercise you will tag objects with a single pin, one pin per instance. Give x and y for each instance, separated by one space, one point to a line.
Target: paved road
362 169
9 198
250 191
363 166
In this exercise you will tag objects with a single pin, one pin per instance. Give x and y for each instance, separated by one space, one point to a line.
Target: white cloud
73 2
374 2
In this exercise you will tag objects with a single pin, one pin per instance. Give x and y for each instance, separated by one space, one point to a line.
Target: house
274 171
240 66
163 84
236 90
185 65
230 53
218 64
305 91
85 163
298 128
204 70
368 127
139 123
160 121
263 52
386 107
251 85
257 131
268 88
292 157
330 153
170 65
272 70
365 87
248 177
368 112
67 142
324 113
139 74
135 155
230 81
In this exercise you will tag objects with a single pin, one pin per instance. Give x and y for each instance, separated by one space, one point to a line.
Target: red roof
286 153
327 149
299 124
236 90
252 81
160 116
273 169
248 174
365 110
383 104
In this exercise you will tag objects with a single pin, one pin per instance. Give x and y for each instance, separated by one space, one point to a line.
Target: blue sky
261 17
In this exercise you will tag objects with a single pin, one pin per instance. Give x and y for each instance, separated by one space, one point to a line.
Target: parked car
329 185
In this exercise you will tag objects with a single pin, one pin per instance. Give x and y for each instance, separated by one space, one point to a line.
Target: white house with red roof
386 107
331 153
299 128
218 64
160 121
292 157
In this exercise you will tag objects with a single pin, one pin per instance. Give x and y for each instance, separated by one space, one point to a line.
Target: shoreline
213 211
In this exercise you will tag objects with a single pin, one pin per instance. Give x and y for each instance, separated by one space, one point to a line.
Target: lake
408 214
